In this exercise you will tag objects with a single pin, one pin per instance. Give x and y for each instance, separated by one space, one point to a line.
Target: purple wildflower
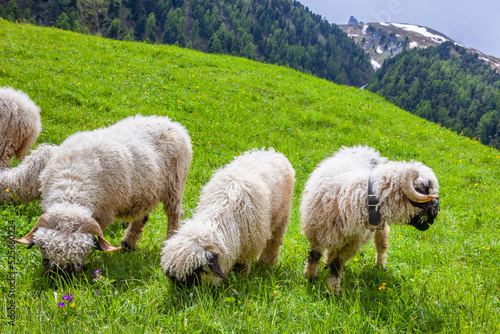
97 292
69 298
61 304
97 272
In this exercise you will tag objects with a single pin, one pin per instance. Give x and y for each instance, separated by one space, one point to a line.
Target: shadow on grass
262 279
121 271
381 296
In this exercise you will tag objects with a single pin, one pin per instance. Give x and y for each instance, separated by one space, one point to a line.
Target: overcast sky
473 23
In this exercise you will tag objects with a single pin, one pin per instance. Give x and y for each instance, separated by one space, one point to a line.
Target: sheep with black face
93 177
335 211
243 211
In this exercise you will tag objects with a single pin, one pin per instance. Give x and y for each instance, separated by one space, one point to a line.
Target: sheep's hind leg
381 245
271 252
173 210
173 223
311 269
336 266
133 234
336 262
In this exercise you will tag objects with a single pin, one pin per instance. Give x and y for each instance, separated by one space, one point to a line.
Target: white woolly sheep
334 205
19 125
122 171
22 183
243 211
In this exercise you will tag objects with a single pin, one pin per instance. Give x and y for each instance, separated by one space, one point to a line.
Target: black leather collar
374 221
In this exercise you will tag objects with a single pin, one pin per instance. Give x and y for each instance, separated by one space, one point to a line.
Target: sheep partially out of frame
20 125
22 183
122 171
334 206
243 211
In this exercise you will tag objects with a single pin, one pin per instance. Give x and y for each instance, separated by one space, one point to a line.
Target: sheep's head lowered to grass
192 263
65 244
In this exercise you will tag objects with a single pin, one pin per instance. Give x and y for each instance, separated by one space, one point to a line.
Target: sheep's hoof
126 248
310 277
334 285
238 267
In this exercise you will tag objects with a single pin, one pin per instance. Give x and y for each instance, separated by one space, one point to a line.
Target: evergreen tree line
445 84
281 32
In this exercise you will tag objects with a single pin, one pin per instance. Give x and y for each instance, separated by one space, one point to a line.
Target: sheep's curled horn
88 226
410 192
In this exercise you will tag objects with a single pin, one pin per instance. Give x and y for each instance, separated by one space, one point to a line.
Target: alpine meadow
442 280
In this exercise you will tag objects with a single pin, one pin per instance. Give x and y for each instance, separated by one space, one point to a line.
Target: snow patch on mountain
382 40
375 65
422 31
365 26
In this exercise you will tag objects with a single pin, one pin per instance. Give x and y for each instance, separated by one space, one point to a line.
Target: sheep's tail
22 183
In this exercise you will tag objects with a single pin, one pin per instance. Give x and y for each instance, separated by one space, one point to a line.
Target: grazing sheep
19 125
243 212
122 171
22 183
334 206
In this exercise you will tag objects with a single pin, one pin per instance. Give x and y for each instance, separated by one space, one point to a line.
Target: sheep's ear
96 245
91 226
213 263
45 220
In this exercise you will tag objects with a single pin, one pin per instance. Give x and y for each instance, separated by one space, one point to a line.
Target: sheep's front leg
133 234
381 245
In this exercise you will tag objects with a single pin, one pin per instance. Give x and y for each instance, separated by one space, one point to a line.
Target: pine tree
140 29
151 28
250 51
63 22
12 11
114 28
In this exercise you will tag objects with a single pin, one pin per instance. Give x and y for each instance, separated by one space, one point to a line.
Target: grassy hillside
282 32
441 280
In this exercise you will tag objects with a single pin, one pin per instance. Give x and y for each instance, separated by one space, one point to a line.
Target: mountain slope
385 40
280 31
445 84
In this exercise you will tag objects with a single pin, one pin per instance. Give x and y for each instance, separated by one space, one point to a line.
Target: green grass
442 280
